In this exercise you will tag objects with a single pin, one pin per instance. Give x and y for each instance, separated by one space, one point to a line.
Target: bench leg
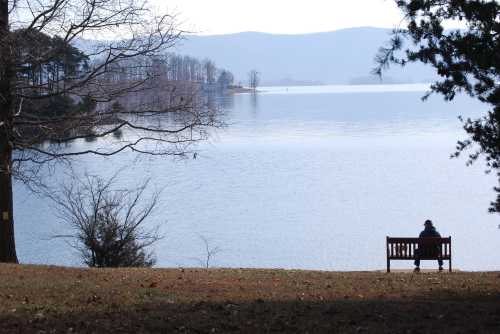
450 265
388 265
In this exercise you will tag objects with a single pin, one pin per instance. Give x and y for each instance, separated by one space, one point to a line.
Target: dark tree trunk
7 243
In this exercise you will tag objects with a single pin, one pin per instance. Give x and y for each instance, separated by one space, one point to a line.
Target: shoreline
241 90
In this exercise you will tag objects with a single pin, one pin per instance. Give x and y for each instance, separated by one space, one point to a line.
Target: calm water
306 177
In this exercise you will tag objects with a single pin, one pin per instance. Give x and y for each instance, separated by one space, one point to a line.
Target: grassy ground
63 300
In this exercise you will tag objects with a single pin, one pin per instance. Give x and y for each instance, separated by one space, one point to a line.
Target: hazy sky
282 16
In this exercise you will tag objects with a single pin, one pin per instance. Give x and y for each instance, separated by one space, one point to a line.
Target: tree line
186 68
173 68
47 64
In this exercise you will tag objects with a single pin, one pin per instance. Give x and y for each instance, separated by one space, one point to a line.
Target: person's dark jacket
429 231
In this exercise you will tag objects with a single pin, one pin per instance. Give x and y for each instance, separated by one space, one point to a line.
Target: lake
306 178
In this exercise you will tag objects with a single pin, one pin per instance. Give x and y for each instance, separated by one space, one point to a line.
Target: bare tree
108 224
41 68
253 79
210 252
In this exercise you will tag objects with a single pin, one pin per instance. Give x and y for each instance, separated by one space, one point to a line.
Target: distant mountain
338 57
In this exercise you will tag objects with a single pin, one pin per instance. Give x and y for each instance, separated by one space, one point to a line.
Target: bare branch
107 223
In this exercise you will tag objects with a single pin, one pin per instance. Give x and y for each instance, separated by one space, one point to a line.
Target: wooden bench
406 248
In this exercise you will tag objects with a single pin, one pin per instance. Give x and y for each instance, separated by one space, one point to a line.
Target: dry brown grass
60 300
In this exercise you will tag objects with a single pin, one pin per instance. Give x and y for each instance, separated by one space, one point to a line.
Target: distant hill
338 57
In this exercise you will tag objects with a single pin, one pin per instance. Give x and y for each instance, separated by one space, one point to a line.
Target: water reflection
226 101
254 104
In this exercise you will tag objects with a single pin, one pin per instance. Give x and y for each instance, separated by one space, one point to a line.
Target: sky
211 17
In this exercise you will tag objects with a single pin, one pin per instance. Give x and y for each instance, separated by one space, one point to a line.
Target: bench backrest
430 248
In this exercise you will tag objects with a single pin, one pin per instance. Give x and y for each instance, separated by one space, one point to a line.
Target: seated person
428 232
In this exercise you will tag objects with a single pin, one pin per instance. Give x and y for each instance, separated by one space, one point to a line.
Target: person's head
428 223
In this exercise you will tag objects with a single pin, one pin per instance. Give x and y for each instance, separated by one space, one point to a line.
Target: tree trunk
7 242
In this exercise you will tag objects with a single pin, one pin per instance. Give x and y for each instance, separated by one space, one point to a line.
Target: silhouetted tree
467 60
